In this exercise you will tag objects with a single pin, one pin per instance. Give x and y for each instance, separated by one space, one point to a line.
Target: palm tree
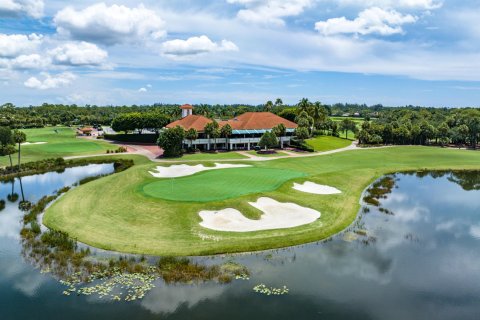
280 131
191 135
319 115
278 102
6 143
269 106
211 130
226 132
19 137
304 105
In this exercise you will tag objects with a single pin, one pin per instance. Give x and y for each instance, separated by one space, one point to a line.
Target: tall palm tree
268 106
304 105
191 135
280 131
212 131
226 132
19 137
6 143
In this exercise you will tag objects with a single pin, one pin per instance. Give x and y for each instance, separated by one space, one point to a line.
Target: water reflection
423 264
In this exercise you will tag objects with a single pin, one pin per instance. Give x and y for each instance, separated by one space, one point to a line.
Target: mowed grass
327 143
267 155
111 213
218 185
60 142
207 156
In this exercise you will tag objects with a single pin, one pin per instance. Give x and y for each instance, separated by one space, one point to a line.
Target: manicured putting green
218 185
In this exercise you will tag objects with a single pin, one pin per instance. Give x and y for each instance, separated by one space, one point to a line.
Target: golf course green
228 183
327 143
128 211
57 142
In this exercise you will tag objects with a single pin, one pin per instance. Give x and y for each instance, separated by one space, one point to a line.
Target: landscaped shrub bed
301 145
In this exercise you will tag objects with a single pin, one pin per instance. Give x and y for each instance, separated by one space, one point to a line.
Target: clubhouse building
247 129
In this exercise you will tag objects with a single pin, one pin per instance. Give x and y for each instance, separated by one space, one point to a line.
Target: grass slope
111 214
218 185
59 144
206 156
267 155
327 143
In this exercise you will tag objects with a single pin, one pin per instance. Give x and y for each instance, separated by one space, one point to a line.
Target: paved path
291 154
151 154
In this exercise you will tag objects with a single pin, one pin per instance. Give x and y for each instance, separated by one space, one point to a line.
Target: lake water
422 262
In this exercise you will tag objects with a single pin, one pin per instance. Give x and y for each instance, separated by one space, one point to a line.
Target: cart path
153 153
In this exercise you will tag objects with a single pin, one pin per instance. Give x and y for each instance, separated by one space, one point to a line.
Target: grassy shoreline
127 221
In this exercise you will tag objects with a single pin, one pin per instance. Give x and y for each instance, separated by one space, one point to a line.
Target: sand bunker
182 170
310 187
276 215
32 143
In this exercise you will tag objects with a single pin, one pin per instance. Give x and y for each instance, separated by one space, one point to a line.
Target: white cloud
194 46
33 8
17 44
78 54
110 24
407 4
29 61
142 90
49 81
370 21
270 12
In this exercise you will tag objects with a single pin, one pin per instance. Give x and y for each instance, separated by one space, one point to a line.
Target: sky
393 52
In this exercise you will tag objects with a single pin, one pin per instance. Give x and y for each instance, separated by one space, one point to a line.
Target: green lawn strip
267 155
61 143
327 143
111 213
206 156
226 184
356 120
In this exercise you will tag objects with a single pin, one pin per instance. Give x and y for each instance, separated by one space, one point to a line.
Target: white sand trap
182 170
32 143
276 215
310 187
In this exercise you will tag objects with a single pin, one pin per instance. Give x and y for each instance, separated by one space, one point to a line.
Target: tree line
424 126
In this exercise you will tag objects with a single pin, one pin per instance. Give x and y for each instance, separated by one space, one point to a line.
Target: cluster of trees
8 140
71 115
423 127
136 121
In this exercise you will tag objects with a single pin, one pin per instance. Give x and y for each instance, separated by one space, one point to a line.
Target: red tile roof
246 121
258 120
192 121
186 106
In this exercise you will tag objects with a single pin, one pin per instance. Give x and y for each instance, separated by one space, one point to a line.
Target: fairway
206 156
60 142
114 213
327 143
219 184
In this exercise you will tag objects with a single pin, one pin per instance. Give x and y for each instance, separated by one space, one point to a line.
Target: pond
415 256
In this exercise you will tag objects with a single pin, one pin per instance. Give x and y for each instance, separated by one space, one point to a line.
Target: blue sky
420 52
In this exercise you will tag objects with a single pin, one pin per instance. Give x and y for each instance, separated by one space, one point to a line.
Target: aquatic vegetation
379 190
118 279
113 284
263 289
242 277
